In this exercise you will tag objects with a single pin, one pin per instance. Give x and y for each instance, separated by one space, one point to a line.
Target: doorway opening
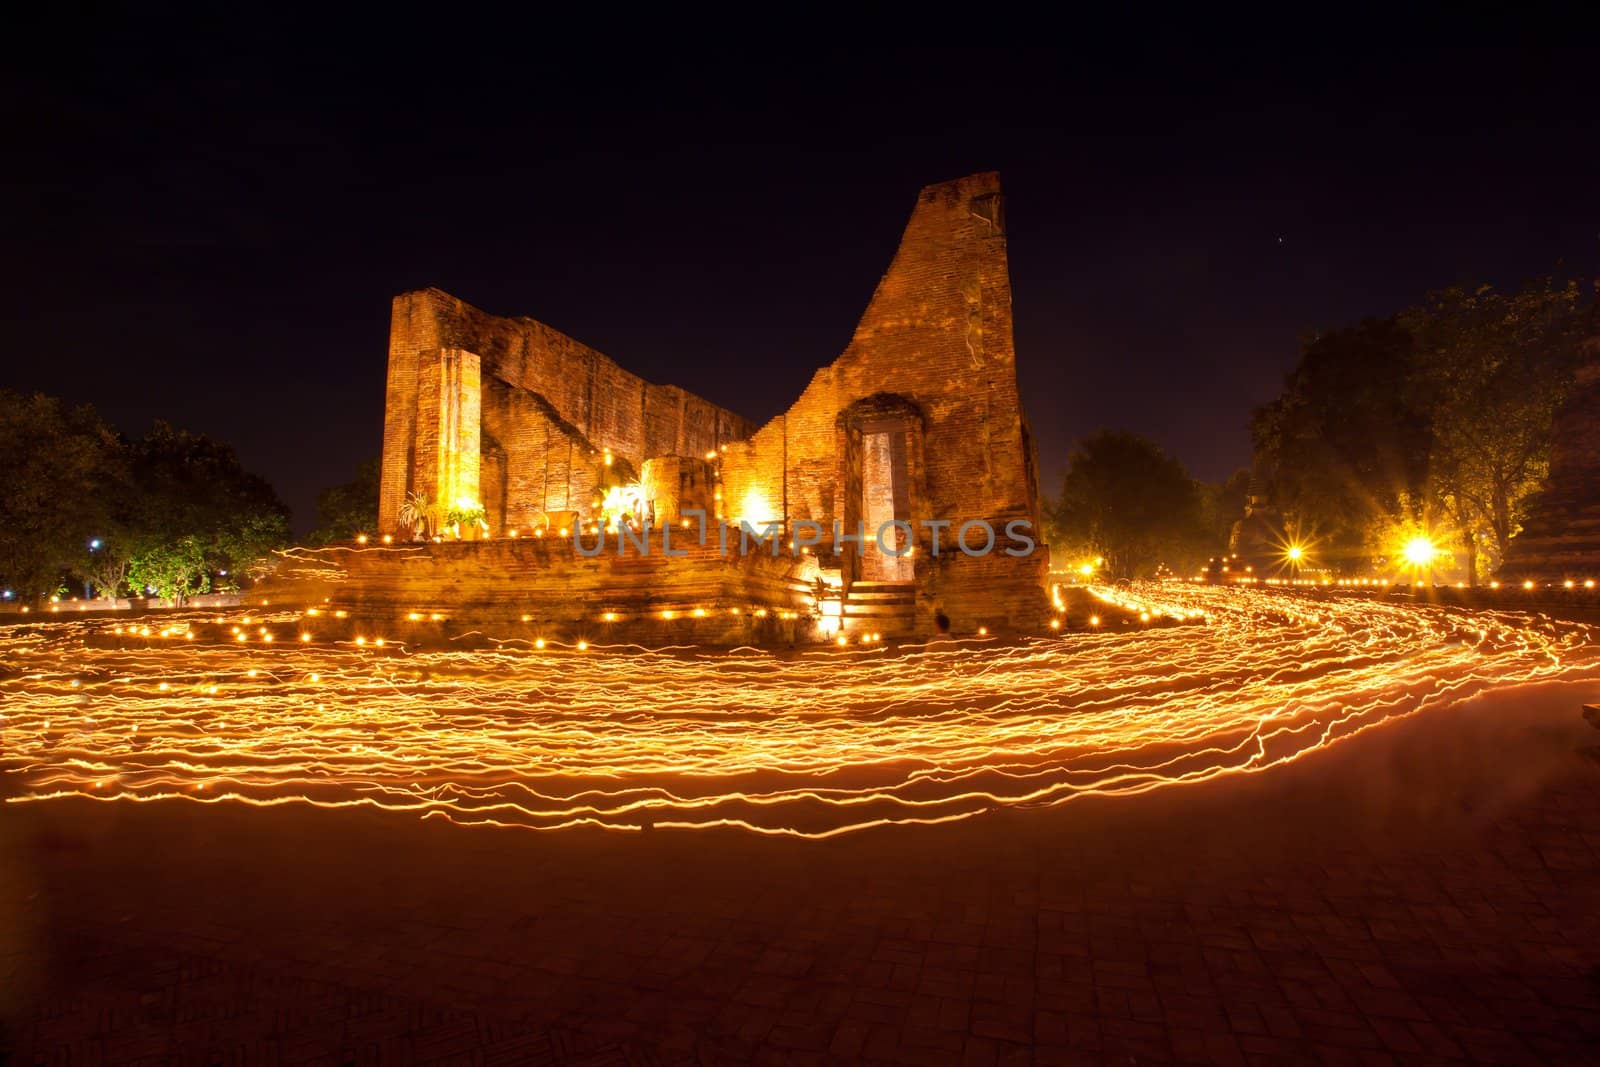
885 499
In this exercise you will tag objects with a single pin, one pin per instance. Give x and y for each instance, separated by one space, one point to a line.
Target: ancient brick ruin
918 421
511 414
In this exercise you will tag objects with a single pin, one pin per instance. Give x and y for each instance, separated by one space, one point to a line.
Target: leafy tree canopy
343 511
173 511
61 471
1437 419
1126 500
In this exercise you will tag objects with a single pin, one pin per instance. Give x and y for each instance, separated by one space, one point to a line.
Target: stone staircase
886 608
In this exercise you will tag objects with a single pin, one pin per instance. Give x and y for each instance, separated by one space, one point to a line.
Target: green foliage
173 570
460 518
190 486
61 476
1347 441
1438 418
343 511
1221 505
1492 369
107 569
1126 500
152 504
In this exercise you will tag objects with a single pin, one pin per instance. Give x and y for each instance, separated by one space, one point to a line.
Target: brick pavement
1425 895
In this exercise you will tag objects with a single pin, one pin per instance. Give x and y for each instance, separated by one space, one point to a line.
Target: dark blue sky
211 234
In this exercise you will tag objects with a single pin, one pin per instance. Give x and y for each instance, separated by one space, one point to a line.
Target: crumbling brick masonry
919 420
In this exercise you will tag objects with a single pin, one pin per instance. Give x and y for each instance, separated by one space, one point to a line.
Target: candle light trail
531 733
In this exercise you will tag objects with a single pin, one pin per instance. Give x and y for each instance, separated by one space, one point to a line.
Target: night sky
211 232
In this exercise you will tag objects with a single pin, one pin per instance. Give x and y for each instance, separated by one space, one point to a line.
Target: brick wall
936 333
551 404
531 587
934 349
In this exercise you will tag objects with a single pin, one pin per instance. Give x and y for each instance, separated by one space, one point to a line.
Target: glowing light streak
542 735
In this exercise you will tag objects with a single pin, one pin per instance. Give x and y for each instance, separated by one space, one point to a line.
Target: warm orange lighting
511 740
1419 551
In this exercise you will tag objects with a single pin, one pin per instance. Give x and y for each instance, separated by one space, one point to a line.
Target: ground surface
1423 890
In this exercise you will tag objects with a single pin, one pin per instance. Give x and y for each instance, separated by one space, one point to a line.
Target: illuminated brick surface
931 363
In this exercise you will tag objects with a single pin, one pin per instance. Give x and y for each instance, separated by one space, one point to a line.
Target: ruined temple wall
937 332
593 403
609 406
413 331
547 467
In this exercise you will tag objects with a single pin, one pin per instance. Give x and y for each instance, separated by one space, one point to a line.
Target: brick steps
887 608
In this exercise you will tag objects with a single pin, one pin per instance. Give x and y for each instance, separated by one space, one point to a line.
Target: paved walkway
1431 893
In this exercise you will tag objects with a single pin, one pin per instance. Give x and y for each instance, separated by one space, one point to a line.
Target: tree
192 487
343 511
1347 442
1493 370
1222 504
107 568
61 473
164 511
1125 499
174 570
